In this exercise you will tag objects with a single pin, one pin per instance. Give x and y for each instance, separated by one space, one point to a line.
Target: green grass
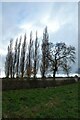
59 102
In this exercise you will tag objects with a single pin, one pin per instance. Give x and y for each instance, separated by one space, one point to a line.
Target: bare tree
45 51
7 65
59 53
18 58
36 56
29 66
66 68
11 58
15 58
9 61
23 56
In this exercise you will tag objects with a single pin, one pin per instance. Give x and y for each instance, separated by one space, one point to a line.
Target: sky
18 18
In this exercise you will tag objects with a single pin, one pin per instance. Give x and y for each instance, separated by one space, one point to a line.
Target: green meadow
58 102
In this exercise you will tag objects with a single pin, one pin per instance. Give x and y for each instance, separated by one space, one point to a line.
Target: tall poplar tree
18 59
15 57
36 56
23 51
11 59
7 65
45 51
29 57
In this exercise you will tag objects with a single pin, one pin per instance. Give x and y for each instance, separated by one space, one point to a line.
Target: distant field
59 102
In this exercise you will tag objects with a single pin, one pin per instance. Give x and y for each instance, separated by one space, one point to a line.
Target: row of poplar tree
25 59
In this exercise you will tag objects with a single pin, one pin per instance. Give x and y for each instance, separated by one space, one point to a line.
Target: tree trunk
43 75
54 72
67 74
54 81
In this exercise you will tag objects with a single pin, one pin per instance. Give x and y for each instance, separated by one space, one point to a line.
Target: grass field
59 102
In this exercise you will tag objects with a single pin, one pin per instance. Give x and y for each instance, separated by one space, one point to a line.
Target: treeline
26 59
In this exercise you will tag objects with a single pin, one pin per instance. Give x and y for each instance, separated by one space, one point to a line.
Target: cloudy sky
61 19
